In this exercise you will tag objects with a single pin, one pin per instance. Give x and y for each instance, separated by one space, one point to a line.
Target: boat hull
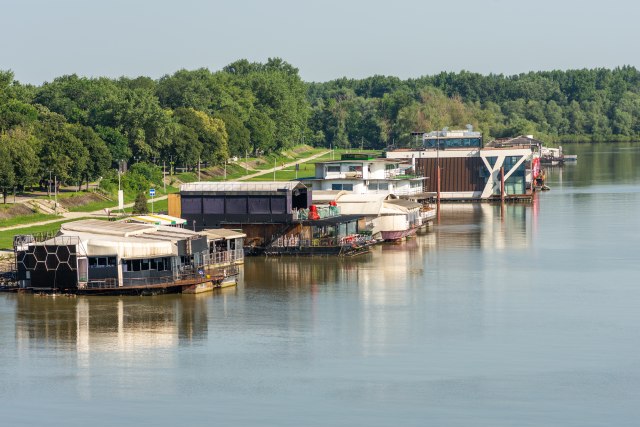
394 236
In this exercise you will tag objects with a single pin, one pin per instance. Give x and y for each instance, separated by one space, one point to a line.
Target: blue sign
152 192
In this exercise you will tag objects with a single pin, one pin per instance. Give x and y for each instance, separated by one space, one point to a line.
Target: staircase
45 206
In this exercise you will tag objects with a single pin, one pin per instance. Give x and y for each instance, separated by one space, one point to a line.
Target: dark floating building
101 257
270 214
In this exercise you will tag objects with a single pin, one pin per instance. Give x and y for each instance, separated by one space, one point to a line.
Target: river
498 316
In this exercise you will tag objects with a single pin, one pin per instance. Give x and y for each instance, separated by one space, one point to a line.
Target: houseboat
362 173
463 169
101 257
270 214
387 216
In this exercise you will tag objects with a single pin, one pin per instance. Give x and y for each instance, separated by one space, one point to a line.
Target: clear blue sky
43 39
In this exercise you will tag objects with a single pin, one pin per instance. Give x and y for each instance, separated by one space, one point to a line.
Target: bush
140 205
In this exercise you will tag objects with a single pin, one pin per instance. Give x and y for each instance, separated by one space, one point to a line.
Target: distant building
364 174
469 170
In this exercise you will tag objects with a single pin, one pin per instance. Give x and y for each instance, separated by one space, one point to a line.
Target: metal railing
186 274
295 241
223 257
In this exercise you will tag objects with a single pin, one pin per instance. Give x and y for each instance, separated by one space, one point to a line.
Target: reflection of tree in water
119 322
598 164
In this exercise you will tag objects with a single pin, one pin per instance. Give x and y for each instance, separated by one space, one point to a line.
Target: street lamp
49 185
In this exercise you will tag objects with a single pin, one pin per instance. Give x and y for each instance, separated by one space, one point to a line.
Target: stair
45 206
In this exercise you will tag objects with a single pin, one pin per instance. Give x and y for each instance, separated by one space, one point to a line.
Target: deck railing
233 255
323 212
295 241
184 275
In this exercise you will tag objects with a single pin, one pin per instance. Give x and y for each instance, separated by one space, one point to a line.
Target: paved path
74 215
101 214
286 165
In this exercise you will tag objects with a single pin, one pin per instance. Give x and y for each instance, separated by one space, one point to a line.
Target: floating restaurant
272 215
464 169
387 216
362 173
102 257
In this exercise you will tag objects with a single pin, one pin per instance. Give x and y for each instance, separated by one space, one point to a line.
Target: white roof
241 186
125 239
223 233
366 204
156 219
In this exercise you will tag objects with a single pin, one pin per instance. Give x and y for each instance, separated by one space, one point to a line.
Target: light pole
438 168
49 185
55 194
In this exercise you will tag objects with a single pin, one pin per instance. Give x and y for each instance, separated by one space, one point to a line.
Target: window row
345 187
374 186
102 262
153 264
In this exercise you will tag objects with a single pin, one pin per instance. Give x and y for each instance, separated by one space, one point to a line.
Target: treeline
77 128
556 106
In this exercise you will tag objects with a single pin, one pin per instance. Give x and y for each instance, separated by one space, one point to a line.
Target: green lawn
286 175
187 177
6 237
158 206
94 206
27 219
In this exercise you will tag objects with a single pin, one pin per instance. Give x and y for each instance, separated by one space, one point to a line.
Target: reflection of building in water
481 225
298 272
110 324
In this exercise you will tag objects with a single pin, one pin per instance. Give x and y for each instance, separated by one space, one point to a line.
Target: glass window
333 168
135 265
144 264
236 205
347 187
213 205
278 205
191 205
102 262
111 261
93 262
259 205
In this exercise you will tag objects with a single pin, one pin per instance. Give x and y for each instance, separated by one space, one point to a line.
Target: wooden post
438 184
502 184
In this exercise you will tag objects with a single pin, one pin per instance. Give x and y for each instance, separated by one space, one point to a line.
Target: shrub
140 205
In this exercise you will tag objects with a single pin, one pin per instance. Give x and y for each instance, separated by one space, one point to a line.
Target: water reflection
109 324
598 164
483 225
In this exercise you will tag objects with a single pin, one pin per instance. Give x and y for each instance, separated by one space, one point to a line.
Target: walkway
286 165
100 213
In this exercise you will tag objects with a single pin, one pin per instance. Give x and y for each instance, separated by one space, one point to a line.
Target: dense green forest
79 128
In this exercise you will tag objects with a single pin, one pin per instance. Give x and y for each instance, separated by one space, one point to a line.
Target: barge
92 257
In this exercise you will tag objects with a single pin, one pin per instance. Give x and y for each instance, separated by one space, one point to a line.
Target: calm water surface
526 315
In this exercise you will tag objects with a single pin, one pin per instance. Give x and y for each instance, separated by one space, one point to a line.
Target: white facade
373 176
